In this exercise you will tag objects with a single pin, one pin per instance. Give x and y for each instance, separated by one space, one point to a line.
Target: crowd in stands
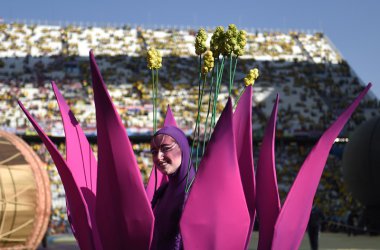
303 68
21 40
314 83
331 198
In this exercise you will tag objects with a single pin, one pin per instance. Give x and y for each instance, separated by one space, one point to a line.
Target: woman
171 154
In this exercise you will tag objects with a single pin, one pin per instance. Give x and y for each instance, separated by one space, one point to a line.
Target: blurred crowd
332 198
314 83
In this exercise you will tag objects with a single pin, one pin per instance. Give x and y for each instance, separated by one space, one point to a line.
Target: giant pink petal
80 159
267 199
79 155
242 120
78 211
161 179
293 218
215 215
150 187
123 210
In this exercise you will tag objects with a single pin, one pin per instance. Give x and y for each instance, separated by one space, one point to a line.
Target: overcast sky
352 25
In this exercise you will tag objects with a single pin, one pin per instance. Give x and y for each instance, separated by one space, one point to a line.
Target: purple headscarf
169 199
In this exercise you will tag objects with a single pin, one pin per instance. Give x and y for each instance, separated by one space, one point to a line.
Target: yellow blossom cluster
251 77
226 43
241 42
230 40
200 42
154 59
208 62
217 41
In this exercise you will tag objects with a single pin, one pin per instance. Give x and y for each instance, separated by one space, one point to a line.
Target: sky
351 25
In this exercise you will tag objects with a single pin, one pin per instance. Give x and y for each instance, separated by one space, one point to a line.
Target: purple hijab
169 199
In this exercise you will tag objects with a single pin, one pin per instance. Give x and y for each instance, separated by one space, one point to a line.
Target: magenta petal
80 159
242 120
215 215
79 155
293 218
267 198
123 210
161 179
77 210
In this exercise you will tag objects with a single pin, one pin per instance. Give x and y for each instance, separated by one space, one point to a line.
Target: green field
327 241
336 241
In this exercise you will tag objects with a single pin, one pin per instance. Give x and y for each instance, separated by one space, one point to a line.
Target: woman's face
166 153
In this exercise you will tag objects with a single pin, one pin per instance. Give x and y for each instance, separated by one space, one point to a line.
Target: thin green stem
217 64
188 168
217 89
238 98
217 68
233 74
154 102
188 185
196 127
221 70
154 127
199 118
156 95
230 83
199 76
208 110
196 134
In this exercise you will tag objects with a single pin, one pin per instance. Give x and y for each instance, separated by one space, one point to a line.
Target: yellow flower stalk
216 42
230 40
229 43
200 42
249 80
251 77
205 70
154 59
208 61
241 41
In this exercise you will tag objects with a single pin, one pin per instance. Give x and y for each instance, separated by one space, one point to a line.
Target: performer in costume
171 155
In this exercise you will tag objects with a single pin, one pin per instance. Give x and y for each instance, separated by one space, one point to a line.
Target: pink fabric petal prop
161 179
80 159
293 218
242 120
123 211
79 155
78 210
267 198
215 215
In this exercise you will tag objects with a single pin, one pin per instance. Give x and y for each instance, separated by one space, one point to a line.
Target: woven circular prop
25 198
